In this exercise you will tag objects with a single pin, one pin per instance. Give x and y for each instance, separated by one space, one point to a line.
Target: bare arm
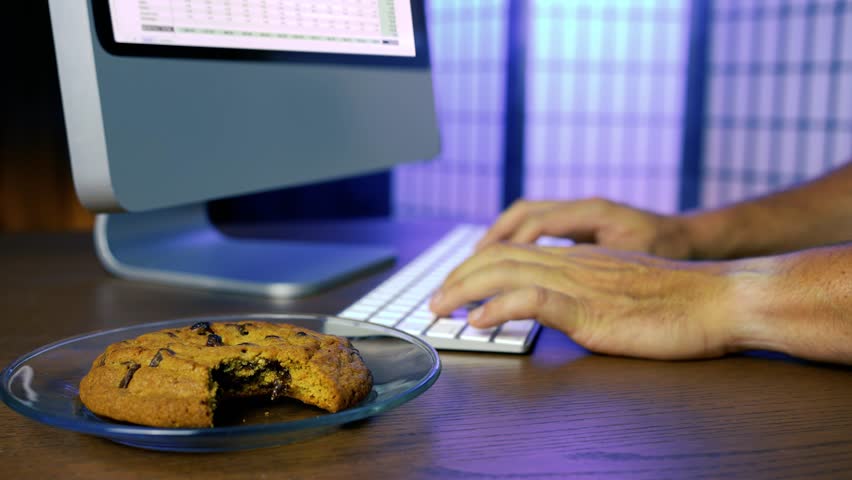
799 303
632 304
813 214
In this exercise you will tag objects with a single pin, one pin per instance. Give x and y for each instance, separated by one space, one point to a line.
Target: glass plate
43 385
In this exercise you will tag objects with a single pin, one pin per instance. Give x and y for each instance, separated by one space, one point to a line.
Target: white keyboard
402 301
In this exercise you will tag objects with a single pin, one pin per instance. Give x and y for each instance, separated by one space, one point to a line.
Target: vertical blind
605 100
468 48
605 95
780 95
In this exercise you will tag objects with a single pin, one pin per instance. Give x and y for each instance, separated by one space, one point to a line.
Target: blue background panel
469 73
780 95
605 100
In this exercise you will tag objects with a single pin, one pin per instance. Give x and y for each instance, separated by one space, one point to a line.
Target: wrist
798 304
708 235
670 239
686 233
754 292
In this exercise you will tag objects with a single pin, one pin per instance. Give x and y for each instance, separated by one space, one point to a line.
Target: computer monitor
170 103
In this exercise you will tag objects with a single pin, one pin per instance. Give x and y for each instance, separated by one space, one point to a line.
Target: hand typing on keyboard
612 302
609 301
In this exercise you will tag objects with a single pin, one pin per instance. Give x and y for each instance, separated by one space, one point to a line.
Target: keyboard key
514 332
474 334
414 326
409 304
369 302
379 298
387 319
423 316
446 328
362 308
356 314
396 308
416 297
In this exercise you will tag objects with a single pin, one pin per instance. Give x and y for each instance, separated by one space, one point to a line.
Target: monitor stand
180 246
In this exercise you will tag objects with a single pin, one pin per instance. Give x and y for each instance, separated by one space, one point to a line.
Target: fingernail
474 314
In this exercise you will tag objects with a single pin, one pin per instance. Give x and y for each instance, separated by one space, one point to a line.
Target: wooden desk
557 413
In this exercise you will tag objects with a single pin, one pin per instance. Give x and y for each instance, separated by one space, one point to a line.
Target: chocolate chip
202 327
272 336
131 369
214 340
301 334
171 334
241 327
248 343
159 357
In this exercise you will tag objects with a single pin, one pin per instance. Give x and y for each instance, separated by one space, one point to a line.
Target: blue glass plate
43 385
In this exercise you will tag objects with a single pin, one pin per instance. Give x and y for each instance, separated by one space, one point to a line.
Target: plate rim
119 430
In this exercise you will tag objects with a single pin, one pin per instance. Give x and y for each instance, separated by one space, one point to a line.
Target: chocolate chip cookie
174 377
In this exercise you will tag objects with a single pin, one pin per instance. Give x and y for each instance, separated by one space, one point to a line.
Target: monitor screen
358 27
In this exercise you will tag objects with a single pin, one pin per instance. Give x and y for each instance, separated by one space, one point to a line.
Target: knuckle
495 249
538 296
508 264
536 223
518 205
601 203
499 251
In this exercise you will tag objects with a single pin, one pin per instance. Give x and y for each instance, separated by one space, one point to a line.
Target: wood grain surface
559 412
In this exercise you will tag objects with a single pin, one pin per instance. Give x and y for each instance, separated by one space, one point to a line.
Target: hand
611 302
598 221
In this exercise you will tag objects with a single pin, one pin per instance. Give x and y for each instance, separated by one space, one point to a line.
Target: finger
591 262
535 225
579 220
509 220
549 307
488 281
586 251
499 252
560 221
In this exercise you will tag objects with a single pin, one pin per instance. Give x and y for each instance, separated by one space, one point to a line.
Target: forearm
799 303
813 214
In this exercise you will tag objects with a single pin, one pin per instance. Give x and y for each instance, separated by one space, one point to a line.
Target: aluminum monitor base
179 246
